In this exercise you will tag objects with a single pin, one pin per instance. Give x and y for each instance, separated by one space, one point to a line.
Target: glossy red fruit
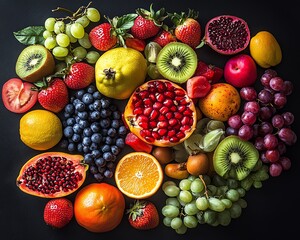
58 212
164 37
137 144
211 72
197 87
18 96
143 215
135 43
53 95
80 75
101 37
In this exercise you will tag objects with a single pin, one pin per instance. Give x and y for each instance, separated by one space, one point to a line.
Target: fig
52 174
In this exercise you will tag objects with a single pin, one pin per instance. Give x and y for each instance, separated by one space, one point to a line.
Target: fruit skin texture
55 96
17 95
240 71
99 207
164 37
40 129
211 72
119 71
176 170
198 164
222 101
143 215
58 212
101 38
197 87
76 159
137 144
265 49
144 28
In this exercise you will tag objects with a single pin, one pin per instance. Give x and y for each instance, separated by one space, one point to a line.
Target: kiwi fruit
177 62
235 158
34 63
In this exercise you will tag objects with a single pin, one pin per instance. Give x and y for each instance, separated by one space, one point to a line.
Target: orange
99 207
222 101
138 175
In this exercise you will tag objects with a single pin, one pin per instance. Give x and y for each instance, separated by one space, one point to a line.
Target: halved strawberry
137 144
197 87
211 72
164 37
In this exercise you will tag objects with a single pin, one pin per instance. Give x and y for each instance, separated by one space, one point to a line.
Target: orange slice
138 175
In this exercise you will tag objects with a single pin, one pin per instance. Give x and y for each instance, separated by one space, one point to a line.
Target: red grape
276 83
287 135
288 118
285 163
252 106
265 96
277 121
279 100
270 141
248 118
248 93
287 87
245 132
272 155
275 169
235 121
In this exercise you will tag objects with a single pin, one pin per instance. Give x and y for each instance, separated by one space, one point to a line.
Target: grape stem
205 192
80 11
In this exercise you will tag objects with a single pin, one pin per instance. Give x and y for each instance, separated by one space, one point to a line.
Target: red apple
240 71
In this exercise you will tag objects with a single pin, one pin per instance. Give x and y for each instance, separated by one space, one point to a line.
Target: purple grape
281 147
231 131
278 121
252 106
265 113
248 118
287 88
259 144
248 93
285 163
279 100
276 83
275 169
272 72
245 132
265 128
272 155
288 118
287 135
265 79
263 158
265 96
235 121
270 141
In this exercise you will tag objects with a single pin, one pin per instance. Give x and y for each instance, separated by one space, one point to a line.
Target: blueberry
71 147
68 132
76 101
76 137
105 102
108 140
104 132
87 98
85 149
88 158
116 115
79 94
93 169
97 105
115 150
95 126
108 156
115 123
80 106
64 143
98 176
94 146
86 141
67 115
108 173
96 153
91 107
100 162
79 147
104 113
112 132
83 123
122 130
83 115
87 132
71 121
69 108
120 142
95 115
97 95
105 122
76 128
105 148
102 169
113 107
110 165
96 138
91 88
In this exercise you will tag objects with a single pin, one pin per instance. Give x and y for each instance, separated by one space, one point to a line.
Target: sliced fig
160 113
227 34
52 174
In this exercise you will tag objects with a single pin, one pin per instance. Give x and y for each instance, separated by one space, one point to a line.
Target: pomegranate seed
180 135
155 135
188 112
162 131
173 108
160 97
138 111
178 115
143 125
152 124
147 102
169 94
164 110
171 133
173 122
157 105
152 97
181 109
138 103
147 111
162 124
169 115
179 92
149 139
154 114
161 87
168 102
174 139
143 94
185 120
142 118
185 128
162 118
184 101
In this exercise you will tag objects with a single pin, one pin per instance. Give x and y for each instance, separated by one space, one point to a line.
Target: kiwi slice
235 158
177 62
34 63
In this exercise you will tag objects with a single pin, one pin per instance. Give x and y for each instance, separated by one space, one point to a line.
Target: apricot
197 164
222 101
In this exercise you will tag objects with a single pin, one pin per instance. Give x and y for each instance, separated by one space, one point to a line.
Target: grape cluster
199 200
93 126
263 121
67 37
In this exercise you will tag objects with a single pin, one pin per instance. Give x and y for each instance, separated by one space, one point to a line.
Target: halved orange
138 175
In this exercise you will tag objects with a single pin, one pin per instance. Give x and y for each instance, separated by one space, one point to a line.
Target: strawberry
187 28
148 23
143 215
53 94
211 72
164 37
137 144
79 75
135 43
58 212
108 35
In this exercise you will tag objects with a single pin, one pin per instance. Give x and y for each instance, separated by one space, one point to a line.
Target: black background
272 211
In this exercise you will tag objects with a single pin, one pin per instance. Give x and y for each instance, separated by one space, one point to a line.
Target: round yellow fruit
40 129
119 71
265 49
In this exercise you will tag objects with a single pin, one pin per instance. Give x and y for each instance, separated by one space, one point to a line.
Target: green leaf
30 35
126 21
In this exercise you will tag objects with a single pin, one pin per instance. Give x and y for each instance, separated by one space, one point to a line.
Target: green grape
206 179
221 190
182 229
202 203
79 52
168 183
216 204
83 20
185 184
235 210
170 211
218 181
257 184
68 32
176 223
167 221
50 43
210 216
85 41
172 191
241 191
77 30
60 66
49 24
182 203
62 40
185 196
227 202
233 195
47 34
224 217
173 201
232 183
59 27
92 57
200 217
215 223
190 221
60 52
191 208
197 185
197 194
191 177
69 59
212 189
242 202
93 14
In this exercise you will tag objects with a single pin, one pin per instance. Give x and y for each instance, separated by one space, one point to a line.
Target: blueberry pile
93 126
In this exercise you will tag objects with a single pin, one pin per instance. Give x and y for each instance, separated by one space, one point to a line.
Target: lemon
119 71
265 49
40 129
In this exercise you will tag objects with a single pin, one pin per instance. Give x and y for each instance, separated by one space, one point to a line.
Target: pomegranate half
160 113
52 174
227 34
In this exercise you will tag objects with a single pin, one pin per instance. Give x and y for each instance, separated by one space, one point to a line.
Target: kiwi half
235 158
177 62
34 63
